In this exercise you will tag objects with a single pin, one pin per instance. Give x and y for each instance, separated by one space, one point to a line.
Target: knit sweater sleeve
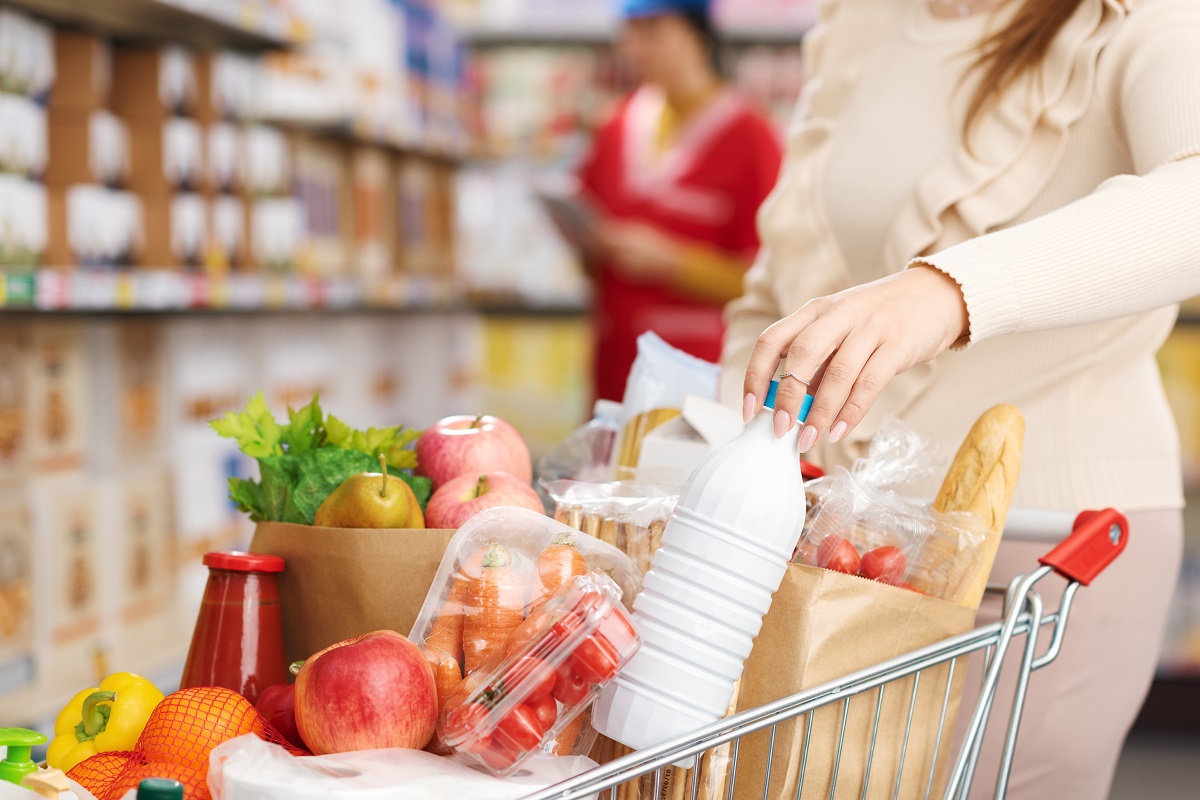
1131 246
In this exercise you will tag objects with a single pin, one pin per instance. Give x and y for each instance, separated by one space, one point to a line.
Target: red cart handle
1096 539
810 471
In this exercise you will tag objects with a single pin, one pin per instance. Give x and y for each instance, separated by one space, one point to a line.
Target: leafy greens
301 462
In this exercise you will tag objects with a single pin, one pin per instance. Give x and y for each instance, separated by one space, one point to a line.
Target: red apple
465 496
460 445
371 692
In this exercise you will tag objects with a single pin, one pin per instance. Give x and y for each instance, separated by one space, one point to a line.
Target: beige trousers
1081 706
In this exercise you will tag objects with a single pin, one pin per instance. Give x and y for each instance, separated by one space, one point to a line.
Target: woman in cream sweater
999 200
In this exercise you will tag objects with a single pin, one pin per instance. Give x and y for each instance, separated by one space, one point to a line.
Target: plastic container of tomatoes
533 697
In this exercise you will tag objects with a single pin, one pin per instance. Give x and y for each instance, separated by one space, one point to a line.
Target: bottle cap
243 562
159 789
17 762
805 406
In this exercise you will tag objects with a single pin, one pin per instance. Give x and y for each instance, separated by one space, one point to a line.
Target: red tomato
465 725
531 677
837 554
595 660
520 730
885 564
278 704
499 756
618 630
912 588
569 688
546 710
561 631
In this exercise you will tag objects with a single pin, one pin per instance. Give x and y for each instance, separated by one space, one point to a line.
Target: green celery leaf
422 487
255 430
306 428
338 433
280 475
323 470
247 495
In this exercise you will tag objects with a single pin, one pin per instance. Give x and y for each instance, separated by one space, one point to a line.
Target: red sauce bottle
238 641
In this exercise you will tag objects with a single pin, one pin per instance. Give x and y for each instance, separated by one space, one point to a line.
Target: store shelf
350 132
231 24
566 35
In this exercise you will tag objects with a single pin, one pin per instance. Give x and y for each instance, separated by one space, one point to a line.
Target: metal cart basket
1094 539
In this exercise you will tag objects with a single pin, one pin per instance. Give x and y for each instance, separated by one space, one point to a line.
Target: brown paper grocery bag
343 582
823 626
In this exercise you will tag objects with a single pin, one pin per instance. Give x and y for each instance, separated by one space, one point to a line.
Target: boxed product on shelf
223 158
276 232
27 54
17 611
266 159
128 380
373 175
424 208
176 231
322 186
228 86
88 146
24 222
92 226
58 398
226 247
166 155
14 388
150 84
23 140
83 66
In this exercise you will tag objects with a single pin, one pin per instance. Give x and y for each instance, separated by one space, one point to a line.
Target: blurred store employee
679 173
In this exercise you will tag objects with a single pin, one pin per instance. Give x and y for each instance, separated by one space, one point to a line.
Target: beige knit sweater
1072 225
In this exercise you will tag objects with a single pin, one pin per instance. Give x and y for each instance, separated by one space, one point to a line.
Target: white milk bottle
724 552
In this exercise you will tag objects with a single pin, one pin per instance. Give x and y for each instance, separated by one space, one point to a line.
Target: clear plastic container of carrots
499 569
530 697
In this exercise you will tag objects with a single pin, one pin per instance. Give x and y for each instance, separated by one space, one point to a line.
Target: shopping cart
1093 540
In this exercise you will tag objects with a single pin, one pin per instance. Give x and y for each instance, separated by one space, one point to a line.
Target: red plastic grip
1096 539
810 471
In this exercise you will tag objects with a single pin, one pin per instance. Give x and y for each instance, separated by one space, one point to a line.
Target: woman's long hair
1019 47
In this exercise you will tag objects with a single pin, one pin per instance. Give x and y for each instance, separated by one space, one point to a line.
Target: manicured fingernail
808 437
748 406
838 431
782 420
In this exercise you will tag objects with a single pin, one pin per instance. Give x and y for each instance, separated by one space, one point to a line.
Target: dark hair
701 22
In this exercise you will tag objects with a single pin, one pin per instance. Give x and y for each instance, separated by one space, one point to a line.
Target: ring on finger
796 378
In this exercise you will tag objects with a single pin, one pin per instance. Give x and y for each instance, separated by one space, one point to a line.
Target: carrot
556 565
443 647
568 737
495 607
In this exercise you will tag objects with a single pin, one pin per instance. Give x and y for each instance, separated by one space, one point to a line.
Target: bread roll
982 480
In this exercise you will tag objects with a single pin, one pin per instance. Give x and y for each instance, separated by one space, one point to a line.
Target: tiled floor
1158 767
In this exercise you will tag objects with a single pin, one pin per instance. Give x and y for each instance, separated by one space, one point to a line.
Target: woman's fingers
771 346
808 351
835 384
883 365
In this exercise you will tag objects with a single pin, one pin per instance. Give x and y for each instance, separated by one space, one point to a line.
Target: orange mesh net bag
179 736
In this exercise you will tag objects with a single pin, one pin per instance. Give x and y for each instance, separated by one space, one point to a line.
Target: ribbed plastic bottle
724 552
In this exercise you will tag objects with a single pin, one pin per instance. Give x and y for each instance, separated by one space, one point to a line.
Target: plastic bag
659 380
250 769
587 453
630 518
860 526
529 697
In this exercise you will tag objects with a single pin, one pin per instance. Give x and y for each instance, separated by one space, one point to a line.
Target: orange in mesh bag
179 736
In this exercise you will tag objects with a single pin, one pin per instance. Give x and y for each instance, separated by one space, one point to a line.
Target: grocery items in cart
529 696
630 518
723 553
586 454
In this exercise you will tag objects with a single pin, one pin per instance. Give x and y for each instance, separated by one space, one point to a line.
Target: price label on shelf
246 291
93 290
53 290
20 290
197 291
275 291
160 290
218 292
124 291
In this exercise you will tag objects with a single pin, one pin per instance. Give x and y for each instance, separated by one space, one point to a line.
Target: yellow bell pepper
103 719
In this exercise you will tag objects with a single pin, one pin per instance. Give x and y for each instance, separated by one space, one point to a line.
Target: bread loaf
982 480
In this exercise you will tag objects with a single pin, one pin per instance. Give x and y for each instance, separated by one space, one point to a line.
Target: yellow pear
371 500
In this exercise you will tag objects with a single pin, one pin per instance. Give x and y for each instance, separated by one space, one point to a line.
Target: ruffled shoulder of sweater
1016 145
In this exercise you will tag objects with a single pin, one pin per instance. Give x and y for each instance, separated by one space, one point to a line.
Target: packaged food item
860 526
528 697
499 568
630 518
586 454
659 380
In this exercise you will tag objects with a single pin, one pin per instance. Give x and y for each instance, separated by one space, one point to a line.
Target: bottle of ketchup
238 641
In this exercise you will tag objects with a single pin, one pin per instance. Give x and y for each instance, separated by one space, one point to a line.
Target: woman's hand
641 253
851 345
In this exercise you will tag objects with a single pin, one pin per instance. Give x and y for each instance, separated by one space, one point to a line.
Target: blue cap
805 406
648 8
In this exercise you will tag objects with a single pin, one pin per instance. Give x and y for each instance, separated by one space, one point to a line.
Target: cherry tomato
595 660
465 725
617 628
837 554
546 711
530 676
569 688
520 730
912 588
562 629
499 756
885 564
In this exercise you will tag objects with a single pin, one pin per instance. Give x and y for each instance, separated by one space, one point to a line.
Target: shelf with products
592 35
245 24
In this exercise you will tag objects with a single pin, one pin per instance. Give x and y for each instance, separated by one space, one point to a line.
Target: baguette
981 481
